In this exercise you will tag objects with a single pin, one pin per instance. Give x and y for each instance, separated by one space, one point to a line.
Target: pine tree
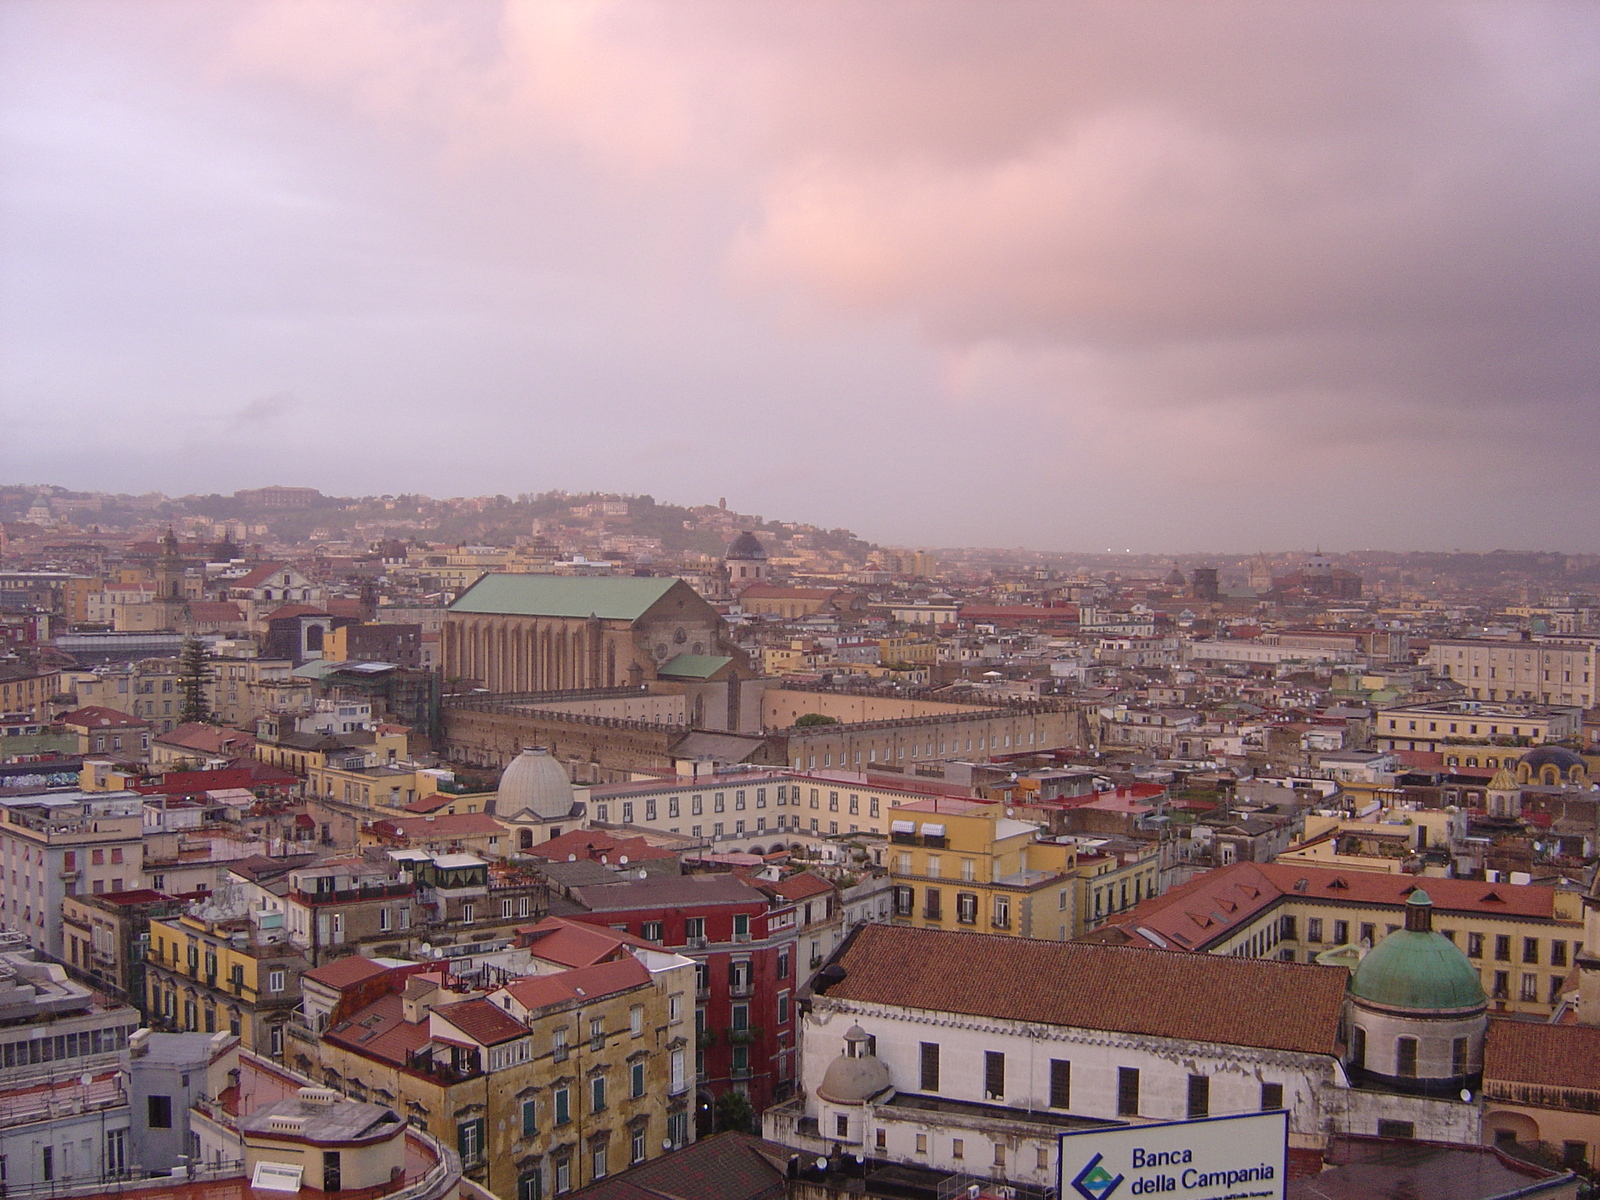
195 673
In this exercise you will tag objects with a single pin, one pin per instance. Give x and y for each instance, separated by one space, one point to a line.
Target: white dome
534 783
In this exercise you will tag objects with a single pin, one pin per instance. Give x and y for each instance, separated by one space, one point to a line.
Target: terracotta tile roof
801 886
482 1021
381 1031
211 739
578 943
599 846
347 971
297 610
729 1166
1210 998
257 575
215 610
1197 913
581 983
1557 1056
98 717
442 825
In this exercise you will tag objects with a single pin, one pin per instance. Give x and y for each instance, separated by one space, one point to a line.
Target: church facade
551 633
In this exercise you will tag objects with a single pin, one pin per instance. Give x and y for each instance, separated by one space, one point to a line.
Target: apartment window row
1128 1083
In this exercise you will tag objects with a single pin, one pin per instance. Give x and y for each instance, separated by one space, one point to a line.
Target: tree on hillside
195 674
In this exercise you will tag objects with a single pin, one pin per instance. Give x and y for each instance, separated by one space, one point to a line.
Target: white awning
933 831
902 826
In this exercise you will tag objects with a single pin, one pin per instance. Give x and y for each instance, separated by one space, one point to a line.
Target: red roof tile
1556 1056
581 983
1210 998
482 1021
578 943
347 971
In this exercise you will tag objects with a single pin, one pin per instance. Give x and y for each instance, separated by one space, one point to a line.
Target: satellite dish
666 1143
623 860
572 858
1466 1095
822 1164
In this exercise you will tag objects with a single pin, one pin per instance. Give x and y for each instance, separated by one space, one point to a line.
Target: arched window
525 839
1405 1057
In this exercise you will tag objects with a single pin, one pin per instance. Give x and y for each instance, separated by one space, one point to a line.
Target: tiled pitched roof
578 943
1556 1056
344 972
381 1031
482 1021
441 825
729 1166
257 575
1209 998
98 717
582 983
1209 906
801 886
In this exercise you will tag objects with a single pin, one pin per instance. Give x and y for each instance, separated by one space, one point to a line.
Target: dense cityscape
591 844
799 600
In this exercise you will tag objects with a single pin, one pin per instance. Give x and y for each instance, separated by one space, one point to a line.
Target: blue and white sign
1214 1158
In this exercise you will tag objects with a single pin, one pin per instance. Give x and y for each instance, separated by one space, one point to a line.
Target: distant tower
1504 795
169 569
746 562
1205 584
1260 574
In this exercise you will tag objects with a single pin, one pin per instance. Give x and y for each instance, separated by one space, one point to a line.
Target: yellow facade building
963 864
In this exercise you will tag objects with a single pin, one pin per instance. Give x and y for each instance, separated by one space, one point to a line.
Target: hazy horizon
1046 274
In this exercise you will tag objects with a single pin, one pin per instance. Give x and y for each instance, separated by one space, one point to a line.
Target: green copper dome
1418 969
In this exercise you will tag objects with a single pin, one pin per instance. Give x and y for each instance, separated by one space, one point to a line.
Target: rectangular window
530 1118
1271 1096
1558 954
158 1112
1502 948
1405 1130
1474 945
994 1075
1060 1083
958 1148
1313 929
636 1020
1341 933
651 931
563 1103
597 1094
1502 985
1405 1057
636 1080
558 1045
597 1033
1530 950
1530 987
930 1066
1127 1091
1458 1056
1199 1096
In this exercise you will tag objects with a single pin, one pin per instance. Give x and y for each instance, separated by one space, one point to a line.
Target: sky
1158 276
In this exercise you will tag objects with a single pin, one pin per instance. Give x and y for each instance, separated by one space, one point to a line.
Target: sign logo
1094 1182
